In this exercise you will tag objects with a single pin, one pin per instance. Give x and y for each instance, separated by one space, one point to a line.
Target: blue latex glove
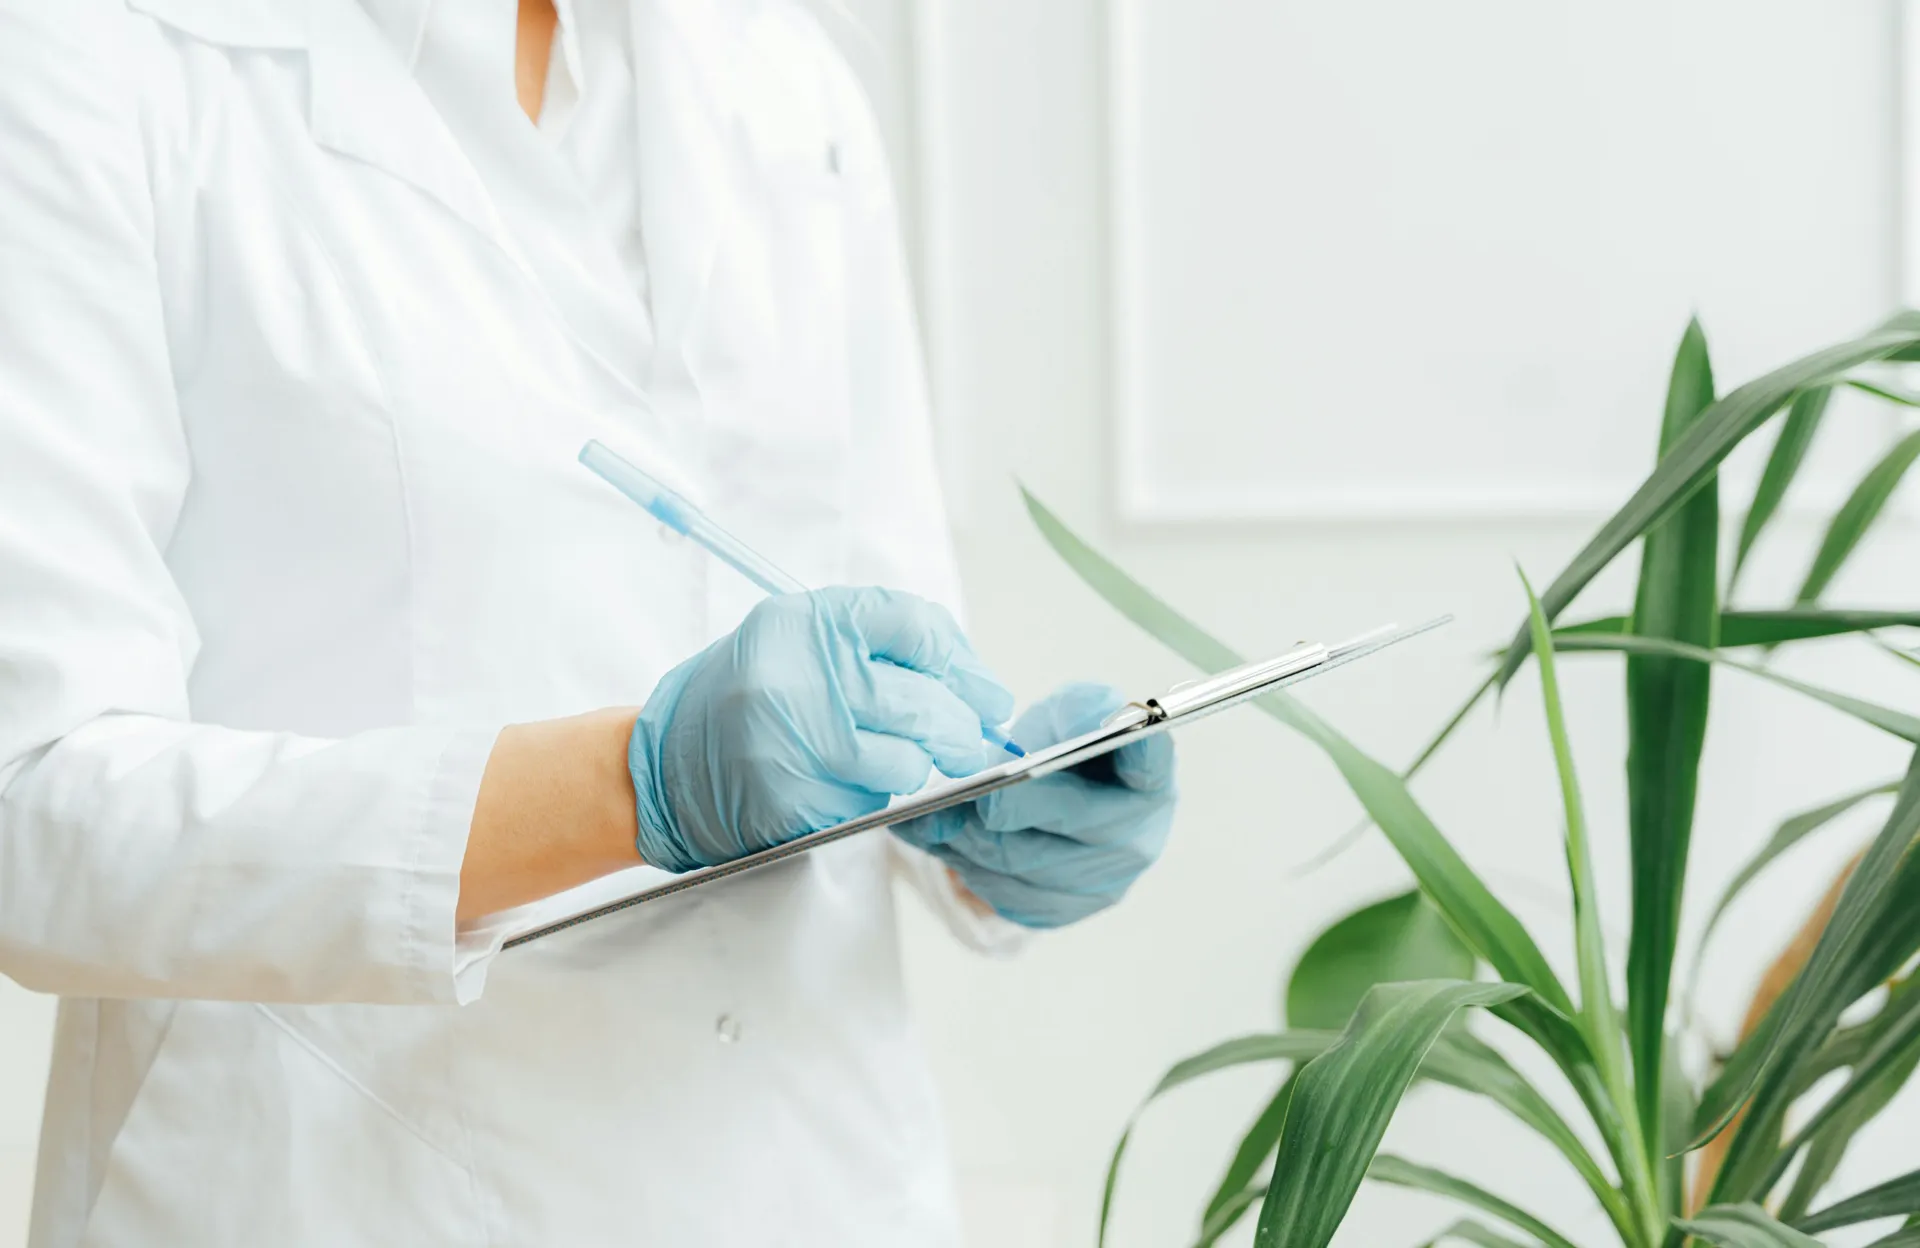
1054 850
817 709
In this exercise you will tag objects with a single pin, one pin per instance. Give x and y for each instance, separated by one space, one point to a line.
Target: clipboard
1183 704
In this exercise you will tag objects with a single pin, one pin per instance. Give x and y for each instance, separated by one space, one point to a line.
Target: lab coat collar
402 22
366 105
363 103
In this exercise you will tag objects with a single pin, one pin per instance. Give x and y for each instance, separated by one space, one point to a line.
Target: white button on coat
290 525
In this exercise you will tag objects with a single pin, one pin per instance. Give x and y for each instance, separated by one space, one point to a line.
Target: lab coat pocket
256 1100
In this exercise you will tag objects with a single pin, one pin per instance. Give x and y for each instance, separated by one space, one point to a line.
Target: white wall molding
1142 496
1139 496
929 90
1360 505
1904 46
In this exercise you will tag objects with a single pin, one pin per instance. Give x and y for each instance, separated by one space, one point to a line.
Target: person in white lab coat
318 651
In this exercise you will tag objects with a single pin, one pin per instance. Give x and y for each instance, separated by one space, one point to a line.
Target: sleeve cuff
452 963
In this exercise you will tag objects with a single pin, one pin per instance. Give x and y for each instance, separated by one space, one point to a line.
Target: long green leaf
1295 1045
1468 904
1400 938
1830 1146
1467 1231
1599 1022
1227 1203
1884 933
1880 1073
1743 1226
1770 628
1857 514
1892 933
1596 997
1160 621
1909 657
1486 925
1462 1061
1453 887
1825 1143
1791 832
1899 723
1691 460
1666 726
1906 1237
1220 1220
1454 721
1886 1200
1264 1047
1827 1147
1345 1098
1459 1060
1841 1050
1351 836
1476 914
1675 1128
1400 1172
1894 938
1789 451
1763 1068
1902 398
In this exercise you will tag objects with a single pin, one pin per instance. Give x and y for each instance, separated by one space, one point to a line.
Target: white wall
26 1025
1317 316
1321 315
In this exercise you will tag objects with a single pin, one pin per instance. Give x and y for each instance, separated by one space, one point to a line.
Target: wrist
615 838
555 809
655 838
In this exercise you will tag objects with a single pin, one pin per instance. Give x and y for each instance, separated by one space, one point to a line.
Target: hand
1054 850
816 710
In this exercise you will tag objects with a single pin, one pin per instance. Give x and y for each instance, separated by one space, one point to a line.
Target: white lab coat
290 525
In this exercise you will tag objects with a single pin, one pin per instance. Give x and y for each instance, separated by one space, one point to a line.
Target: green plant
1380 999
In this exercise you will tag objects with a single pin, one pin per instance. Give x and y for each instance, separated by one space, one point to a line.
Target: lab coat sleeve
901 536
143 854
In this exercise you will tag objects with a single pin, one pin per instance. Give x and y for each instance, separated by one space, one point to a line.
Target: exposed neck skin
533 46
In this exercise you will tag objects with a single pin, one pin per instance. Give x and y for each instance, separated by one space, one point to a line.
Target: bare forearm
555 810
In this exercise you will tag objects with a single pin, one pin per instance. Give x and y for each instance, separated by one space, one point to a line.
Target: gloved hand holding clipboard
1184 704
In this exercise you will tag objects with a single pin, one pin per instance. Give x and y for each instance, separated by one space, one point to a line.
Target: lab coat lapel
367 106
688 137
542 200
363 103
231 23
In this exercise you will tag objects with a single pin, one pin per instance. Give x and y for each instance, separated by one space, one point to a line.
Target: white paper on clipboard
1183 704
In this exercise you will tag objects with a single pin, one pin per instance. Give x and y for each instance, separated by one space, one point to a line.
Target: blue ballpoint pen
683 517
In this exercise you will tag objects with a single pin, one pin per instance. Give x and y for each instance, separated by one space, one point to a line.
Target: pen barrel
674 511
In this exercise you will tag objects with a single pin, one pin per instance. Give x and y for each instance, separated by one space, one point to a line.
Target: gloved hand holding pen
816 710
823 704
